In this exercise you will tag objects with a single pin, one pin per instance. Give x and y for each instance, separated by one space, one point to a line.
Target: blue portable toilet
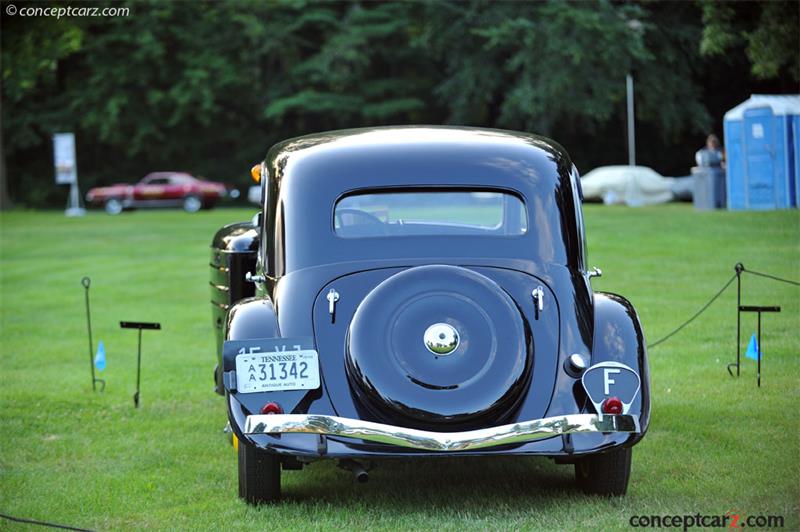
762 152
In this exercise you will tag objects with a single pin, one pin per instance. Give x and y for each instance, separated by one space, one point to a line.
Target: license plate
278 371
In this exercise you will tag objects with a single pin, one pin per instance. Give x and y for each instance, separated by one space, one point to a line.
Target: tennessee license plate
277 371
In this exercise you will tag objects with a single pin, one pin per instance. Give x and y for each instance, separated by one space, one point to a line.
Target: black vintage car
422 291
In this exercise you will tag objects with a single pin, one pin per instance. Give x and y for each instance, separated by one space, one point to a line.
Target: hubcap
441 339
192 204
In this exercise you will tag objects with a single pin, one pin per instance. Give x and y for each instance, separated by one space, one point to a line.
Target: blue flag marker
100 357
752 349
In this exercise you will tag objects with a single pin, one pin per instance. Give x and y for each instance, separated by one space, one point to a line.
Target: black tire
219 388
604 474
259 475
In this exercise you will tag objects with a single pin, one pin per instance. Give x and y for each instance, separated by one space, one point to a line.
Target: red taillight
612 405
271 408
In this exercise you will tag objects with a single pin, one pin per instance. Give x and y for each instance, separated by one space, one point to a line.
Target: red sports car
159 189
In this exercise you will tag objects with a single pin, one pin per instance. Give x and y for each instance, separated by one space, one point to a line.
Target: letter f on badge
607 380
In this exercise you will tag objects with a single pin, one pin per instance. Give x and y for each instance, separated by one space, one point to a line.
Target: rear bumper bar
521 432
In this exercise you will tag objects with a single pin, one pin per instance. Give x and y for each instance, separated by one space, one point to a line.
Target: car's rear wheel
113 206
259 474
604 474
192 204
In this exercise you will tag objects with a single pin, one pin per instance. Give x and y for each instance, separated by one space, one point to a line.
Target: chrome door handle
250 278
538 297
332 297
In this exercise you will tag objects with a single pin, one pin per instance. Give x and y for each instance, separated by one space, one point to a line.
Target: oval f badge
611 379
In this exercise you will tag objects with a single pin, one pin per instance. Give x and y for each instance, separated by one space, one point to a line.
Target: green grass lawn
89 459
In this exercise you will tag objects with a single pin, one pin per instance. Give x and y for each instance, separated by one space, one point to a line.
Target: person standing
711 155
709 176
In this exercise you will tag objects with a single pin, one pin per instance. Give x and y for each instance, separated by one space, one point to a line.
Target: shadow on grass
428 484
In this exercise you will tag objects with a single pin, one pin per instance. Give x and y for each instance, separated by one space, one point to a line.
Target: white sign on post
64 158
67 170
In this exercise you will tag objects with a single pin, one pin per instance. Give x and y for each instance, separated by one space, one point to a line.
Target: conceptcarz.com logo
733 519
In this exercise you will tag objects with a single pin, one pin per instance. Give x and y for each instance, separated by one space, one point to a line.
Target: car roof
488 146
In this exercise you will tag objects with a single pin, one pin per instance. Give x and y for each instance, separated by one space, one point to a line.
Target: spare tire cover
394 372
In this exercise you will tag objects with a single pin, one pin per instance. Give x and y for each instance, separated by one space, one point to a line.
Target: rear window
430 212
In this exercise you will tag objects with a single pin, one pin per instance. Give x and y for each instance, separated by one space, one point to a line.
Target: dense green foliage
206 87
87 459
769 32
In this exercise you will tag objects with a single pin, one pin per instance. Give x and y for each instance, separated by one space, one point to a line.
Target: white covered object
631 185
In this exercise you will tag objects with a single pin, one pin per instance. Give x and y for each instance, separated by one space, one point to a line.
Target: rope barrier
739 270
696 314
768 276
41 523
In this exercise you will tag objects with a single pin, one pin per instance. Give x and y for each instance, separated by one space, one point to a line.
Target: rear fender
252 317
618 337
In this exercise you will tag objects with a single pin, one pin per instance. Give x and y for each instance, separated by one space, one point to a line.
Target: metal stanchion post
87 282
138 325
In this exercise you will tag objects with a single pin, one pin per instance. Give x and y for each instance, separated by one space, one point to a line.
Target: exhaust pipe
357 469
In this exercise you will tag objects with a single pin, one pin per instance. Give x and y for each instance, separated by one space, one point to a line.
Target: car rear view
420 292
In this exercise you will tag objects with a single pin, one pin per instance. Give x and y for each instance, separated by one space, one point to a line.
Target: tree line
206 87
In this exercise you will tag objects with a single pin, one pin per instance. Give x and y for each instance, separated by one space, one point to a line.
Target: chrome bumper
521 432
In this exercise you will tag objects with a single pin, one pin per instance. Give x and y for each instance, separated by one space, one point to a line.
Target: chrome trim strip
220 287
521 432
222 306
223 269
